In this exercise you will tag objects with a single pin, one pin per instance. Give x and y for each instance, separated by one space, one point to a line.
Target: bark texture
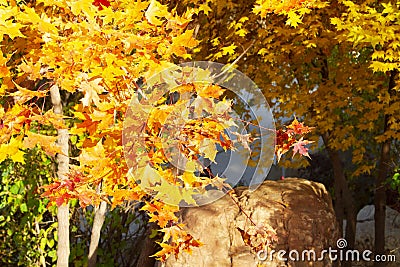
344 200
98 221
380 188
148 248
62 160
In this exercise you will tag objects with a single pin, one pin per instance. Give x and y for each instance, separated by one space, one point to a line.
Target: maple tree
334 65
378 33
97 54
312 59
94 58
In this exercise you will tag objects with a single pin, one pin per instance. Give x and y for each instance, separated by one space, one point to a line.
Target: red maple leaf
101 3
299 128
299 147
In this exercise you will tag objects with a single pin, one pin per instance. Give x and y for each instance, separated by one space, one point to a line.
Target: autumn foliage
99 53
292 137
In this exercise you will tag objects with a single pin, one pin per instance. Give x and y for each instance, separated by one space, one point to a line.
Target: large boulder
300 211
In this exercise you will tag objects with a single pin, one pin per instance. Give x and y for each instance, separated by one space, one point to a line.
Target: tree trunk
99 216
344 201
380 188
149 248
380 203
62 170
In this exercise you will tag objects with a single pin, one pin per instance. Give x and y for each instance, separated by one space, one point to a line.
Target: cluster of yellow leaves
294 10
102 51
11 149
14 136
97 50
148 169
375 25
175 241
322 70
181 128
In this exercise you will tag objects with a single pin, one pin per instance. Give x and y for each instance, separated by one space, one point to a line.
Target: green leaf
53 255
73 202
43 242
74 139
153 233
23 207
50 243
9 232
15 189
41 207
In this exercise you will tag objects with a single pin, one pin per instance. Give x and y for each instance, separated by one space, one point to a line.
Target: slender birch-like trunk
62 170
99 216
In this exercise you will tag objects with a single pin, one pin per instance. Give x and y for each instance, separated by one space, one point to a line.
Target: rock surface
300 211
365 233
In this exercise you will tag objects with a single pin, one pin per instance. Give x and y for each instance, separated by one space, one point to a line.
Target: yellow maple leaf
18 157
211 90
294 19
179 43
229 50
168 193
93 155
208 148
11 149
23 94
147 176
215 41
241 32
156 11
188 177
205 8
47 143
11 29
92 89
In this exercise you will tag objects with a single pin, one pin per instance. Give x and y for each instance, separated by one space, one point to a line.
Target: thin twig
230 66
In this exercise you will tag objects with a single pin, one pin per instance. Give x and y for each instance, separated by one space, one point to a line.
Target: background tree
379 33
335 78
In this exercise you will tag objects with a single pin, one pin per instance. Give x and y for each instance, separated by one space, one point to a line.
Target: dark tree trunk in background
380 188
148 248
380 203
344 200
